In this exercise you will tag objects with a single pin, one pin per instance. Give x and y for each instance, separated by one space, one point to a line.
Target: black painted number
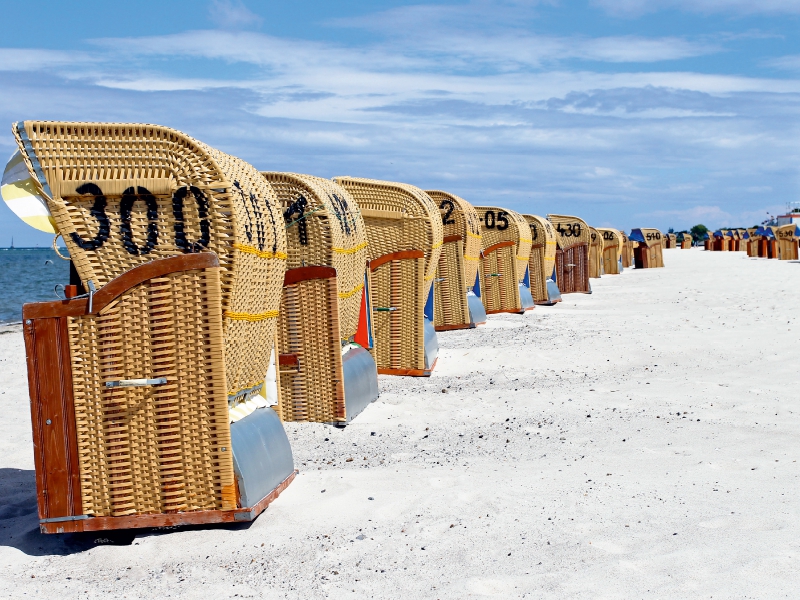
448 207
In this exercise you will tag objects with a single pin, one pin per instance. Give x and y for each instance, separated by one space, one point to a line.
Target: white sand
505 487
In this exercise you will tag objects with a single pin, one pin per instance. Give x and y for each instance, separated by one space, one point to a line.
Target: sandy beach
638 442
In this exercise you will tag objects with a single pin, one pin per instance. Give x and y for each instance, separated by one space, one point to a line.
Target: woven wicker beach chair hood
405 237
542 262
649 252
324 376
185 248
455 304
506 242
572 256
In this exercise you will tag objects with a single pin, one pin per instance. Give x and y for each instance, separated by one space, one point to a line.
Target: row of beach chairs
771 241
210 302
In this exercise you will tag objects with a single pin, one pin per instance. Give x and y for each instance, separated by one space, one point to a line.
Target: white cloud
35 59
232 14
788 63
640 7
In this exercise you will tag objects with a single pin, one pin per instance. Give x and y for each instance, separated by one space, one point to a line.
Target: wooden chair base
452 327
408 372
202 517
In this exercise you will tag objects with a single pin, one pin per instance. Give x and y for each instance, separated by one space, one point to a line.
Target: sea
28 275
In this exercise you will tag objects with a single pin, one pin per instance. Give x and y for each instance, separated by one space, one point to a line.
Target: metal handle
136 382
385 309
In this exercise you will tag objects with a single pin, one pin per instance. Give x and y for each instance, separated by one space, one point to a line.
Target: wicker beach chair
741 235
456 306
648 254
612 250
404 235
670 241
173 348
542 262
627 251
685 242
572 256
325 376
595 253
505 283
786 237
721 240
752 240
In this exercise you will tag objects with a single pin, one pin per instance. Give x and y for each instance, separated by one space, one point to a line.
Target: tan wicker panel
334 235
309 330
399 335
627 251
188 198
569 230
450 299
595 253
500 284
459 218
503 225
543 256
652 237
786 241
398 217
612 249
163 448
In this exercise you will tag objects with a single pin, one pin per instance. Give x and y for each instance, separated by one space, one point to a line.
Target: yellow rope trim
431 277
435 246
252 317
521 257
352 292
475 235
259 253
524 241
350 250
471 258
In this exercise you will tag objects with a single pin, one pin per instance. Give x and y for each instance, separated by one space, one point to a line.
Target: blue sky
628 113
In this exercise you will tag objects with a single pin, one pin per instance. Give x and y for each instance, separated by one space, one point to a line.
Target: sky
626 113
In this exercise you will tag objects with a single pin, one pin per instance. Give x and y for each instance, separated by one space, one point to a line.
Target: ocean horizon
28 275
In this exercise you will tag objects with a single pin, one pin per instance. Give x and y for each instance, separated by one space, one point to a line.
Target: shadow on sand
19 523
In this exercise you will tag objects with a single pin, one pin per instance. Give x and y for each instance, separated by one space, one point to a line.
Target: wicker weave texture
309 330
125 194
595 253
399 334
398 217
459 217
504 225
787 242
163 448
458 262
334 235
572 269
543 255
627 251
450 306
500 286
612 250
570 230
